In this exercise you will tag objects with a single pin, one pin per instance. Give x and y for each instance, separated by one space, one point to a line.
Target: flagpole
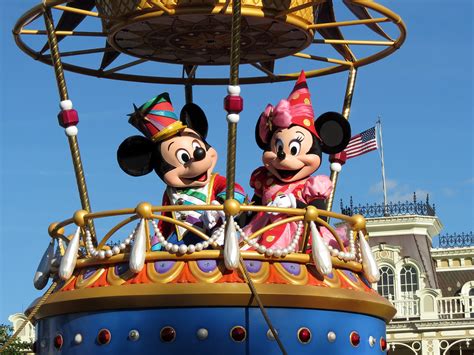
384 185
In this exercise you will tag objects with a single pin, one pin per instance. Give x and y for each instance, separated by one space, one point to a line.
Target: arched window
386 284
408 281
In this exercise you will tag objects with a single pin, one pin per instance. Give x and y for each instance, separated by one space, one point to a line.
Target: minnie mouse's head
175 149
292 141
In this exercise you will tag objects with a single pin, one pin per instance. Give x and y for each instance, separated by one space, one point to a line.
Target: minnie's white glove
210 218
284 201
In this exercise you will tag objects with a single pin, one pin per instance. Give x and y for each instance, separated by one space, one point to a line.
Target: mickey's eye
196 145
183 156
279 145
295 147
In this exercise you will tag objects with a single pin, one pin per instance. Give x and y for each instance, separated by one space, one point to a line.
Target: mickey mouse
292 144
178 152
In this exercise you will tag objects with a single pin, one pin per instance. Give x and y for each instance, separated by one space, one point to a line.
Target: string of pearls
276 252
346 256
116 249
183 248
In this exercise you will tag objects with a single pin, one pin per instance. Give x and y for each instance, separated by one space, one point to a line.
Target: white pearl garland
346 256
276 252
183 248
102 254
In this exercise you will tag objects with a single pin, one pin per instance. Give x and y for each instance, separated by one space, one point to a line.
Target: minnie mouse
292 144
178 152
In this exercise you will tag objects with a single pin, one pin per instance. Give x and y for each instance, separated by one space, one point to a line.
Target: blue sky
423 93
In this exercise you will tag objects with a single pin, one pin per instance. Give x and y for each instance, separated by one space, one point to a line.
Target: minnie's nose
199 154
281 155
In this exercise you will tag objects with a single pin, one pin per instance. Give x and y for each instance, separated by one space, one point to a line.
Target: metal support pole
234 81
346 109
63 94
188 93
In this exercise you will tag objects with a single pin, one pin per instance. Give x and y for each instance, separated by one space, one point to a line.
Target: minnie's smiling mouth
287 174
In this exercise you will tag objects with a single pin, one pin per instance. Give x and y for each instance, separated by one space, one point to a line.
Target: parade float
226 293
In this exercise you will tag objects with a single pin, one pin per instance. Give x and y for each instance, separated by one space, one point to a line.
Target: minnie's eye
183 156
196 145
295 147
279 145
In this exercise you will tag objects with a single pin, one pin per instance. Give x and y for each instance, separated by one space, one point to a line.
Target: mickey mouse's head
181 158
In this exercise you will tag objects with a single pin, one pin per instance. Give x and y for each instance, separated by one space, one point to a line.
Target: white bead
161 239
285 251
102 254
205 245
277 253
252 243
334 252
336 167
262 249
269 252
202 333
71 131
95 253
109 253
78 338
116 249
168 246
65 105
175 248
198 247
123 246
183 249
332 337
372 341
127 241
233 117
191 248
233 90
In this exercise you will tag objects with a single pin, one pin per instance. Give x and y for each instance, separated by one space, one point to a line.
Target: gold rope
63 94
30 316
260 305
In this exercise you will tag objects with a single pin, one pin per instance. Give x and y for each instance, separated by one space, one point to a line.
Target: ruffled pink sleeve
317 187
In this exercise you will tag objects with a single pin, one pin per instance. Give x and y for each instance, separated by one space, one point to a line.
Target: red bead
104 337
383 344
233 104
58 341
167 334
355 339
338 158
304 335
68 118
238 333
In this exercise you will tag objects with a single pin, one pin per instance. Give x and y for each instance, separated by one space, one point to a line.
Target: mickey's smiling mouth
201 178
287 174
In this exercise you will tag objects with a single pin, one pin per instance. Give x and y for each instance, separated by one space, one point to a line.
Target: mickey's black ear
334 131
195 118
134 155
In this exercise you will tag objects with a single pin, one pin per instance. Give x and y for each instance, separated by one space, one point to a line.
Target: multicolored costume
215 190
267 187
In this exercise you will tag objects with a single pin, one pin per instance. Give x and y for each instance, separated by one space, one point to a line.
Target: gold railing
148 213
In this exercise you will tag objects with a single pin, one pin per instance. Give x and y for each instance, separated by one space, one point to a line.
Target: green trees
16 346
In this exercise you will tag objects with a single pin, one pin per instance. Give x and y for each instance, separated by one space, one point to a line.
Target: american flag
361 143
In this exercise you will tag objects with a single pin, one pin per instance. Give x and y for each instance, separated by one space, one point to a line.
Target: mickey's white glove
210 218
284 201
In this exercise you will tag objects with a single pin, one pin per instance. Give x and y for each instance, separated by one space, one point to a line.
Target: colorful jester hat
156 118
296 110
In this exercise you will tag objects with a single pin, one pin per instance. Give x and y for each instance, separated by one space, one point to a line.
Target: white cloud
378 188
397 192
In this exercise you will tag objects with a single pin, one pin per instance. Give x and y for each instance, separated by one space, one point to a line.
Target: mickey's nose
199 154
281 155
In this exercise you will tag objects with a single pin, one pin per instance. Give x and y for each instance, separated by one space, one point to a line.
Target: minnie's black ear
195 118
263 146
334 131
134 155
